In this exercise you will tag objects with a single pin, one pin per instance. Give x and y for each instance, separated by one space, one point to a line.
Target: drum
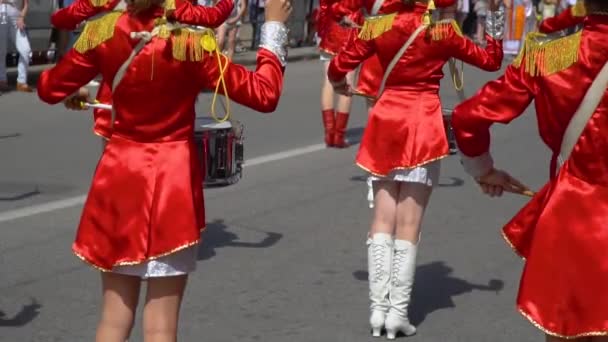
449 132
220 146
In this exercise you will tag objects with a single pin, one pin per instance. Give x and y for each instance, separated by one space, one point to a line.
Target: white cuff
273 38
477 166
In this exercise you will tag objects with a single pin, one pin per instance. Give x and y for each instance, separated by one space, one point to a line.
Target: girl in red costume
70 17
562 233
405 138
144 212
371 71
333 35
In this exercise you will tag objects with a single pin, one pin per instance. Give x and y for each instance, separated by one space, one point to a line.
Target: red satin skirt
563 235
146 201
334 38
370 76
404 130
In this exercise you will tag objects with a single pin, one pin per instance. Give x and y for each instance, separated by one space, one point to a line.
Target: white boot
379 258
402 281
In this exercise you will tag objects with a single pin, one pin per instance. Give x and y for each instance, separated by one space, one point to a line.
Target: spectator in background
256 17
227 32
12 27
481 10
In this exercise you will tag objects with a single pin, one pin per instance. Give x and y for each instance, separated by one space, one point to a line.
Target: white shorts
325 57
427 174
175 264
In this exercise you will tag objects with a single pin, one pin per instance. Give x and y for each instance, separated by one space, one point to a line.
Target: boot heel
391 334
377 332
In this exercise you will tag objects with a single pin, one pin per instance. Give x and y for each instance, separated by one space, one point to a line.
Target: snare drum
220 146
449 132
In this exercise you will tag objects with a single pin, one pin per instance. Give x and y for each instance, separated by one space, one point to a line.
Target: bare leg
386 194
120 297
344 102
221 36
231 43
327 91
161 313
413 198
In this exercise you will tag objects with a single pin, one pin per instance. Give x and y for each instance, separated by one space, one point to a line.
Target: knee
118 322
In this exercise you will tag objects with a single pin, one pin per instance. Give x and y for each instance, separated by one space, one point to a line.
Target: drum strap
144 38
376 7
583 114
398 56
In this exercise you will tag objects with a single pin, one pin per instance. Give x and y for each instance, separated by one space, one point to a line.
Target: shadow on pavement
217 236
434 288
27 314
354 135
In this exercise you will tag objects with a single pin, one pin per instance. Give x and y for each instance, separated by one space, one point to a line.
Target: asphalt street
284 256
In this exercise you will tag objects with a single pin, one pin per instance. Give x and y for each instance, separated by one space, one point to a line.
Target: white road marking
37 209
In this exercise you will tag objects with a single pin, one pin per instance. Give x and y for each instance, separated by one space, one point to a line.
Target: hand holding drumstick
495 182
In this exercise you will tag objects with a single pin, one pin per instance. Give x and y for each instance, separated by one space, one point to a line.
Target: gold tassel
97 31
191 45
541 57
426 18
578 10
441 30
99 3
374 26
169 5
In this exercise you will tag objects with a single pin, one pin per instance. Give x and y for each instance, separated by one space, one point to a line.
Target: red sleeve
560 22
355 52
68 18
499 101
345 8
259 90
489 59
64 79
210 17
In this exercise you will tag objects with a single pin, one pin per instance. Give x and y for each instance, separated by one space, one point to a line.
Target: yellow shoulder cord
458 84
221 81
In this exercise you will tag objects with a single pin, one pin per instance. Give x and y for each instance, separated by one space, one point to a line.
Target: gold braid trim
441 29
97 31
578 10
542 56
376 25
99 3
191 45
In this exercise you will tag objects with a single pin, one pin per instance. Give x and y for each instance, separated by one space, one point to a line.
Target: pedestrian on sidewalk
13 29
226 33
562 233
144 212
405 139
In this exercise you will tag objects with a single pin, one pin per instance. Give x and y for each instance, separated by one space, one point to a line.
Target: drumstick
97 105
517 190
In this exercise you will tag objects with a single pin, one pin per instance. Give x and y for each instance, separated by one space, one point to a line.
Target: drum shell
220 154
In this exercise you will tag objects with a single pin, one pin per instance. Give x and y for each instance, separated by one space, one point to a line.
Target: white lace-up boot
402 281
379 258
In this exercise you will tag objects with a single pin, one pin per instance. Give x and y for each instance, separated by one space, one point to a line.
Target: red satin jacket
562 21
70 17
146 197
562 232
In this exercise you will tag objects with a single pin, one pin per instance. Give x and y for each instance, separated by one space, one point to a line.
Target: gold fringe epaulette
99 3
191 45
97 31
169 5
376 25
441 29
542 55
578 10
